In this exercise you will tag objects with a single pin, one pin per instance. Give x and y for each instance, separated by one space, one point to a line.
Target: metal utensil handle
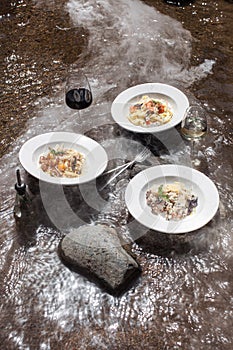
114 169
118 173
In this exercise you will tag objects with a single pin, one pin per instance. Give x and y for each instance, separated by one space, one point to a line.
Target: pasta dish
62 162
150 111
173 201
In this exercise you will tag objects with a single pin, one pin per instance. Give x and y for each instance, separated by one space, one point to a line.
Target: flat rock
97 252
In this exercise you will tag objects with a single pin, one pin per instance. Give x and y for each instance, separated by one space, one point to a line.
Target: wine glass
78 93
193 127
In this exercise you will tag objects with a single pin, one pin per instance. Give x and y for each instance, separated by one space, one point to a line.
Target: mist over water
181 293
130 43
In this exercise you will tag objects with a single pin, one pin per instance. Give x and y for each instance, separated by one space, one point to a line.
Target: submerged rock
97 252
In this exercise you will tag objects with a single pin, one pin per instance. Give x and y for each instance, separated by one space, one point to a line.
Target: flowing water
183 298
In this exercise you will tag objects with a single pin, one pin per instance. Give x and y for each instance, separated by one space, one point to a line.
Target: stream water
183 298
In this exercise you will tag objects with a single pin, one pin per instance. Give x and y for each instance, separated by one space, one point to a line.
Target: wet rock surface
37 47
97 252
184 296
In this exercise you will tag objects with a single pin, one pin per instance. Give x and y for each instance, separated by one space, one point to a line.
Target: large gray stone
97 252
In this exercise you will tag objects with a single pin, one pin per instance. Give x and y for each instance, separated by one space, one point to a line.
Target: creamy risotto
173 201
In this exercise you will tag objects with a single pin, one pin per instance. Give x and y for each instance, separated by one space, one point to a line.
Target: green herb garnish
56 153
162 194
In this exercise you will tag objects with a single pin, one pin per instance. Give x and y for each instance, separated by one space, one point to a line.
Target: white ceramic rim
177 99
96 158
202 186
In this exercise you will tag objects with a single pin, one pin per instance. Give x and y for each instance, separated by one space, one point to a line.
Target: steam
130 43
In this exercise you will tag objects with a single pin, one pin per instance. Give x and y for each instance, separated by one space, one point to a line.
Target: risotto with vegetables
173 201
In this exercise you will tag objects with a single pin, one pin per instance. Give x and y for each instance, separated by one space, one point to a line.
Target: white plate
199 184
95 156
176 99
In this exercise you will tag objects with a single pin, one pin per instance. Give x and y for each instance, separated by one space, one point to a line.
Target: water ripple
183 298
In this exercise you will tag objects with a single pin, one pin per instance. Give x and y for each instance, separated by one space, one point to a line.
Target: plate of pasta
149 108
63 158
172 198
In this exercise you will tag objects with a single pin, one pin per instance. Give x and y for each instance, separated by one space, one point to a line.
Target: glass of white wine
193 127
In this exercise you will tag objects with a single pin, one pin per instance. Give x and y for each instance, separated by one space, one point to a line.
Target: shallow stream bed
183 298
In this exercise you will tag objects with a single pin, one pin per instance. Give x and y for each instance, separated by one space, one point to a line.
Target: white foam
131 42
